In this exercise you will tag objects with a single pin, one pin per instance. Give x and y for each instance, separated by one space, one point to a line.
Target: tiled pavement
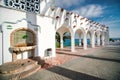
99 64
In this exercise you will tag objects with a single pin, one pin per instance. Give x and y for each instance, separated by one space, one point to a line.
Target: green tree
111 40
57 36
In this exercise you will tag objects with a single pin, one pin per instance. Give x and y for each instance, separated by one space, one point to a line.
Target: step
17 67
19 76
26 73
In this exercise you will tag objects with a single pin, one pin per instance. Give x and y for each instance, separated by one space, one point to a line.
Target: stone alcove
23 40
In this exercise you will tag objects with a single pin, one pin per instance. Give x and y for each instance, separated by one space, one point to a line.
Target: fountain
22 40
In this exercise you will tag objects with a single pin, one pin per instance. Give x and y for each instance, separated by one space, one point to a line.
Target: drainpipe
2 45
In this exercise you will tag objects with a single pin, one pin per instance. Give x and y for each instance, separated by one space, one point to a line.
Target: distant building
28 29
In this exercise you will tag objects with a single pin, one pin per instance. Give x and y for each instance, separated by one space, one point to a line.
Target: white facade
45 23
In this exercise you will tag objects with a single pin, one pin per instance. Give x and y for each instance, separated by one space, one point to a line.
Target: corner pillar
61 41
80 41
93 40
85 41
103 40
72 43
98 40
108 37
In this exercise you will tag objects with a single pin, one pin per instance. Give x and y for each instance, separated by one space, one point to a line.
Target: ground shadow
91 57
39 60
99 58
72 75
78 47
117 50
68 50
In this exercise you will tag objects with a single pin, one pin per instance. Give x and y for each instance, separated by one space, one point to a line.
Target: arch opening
89 39
79 38
95 38
63 38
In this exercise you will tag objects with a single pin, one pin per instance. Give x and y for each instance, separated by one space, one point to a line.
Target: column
103 40
37 50
2 2
72 42
93 40
79 41
108 37
61 41
98 40
85 41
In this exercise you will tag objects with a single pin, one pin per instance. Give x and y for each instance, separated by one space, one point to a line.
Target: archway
77 42
79 38
63 37
101 40
95 39
57 39
67 39
98 37
106 37
88 39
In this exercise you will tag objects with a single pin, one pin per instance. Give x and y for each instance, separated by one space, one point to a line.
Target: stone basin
23 48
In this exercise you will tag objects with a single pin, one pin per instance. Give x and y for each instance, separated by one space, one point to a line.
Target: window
28 5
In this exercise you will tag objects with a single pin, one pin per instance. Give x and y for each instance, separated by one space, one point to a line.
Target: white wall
10 15
46 36
6 39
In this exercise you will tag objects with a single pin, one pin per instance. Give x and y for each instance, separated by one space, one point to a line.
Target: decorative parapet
66 19
62 9
57 17
25 5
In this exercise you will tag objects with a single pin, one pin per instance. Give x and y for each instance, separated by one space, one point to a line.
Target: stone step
25 73
17 67
19 76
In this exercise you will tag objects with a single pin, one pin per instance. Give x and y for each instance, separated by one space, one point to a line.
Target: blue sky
106 12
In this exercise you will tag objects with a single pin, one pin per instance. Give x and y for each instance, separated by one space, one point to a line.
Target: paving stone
98 64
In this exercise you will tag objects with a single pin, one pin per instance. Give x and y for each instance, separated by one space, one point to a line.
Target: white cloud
110 21
67 3
114 33
113 25
90 11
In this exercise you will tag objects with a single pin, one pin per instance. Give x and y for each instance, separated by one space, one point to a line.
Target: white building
28 29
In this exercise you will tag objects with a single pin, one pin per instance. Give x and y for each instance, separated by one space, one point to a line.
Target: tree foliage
111 40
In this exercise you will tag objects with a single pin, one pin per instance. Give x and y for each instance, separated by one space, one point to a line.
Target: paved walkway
102 64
